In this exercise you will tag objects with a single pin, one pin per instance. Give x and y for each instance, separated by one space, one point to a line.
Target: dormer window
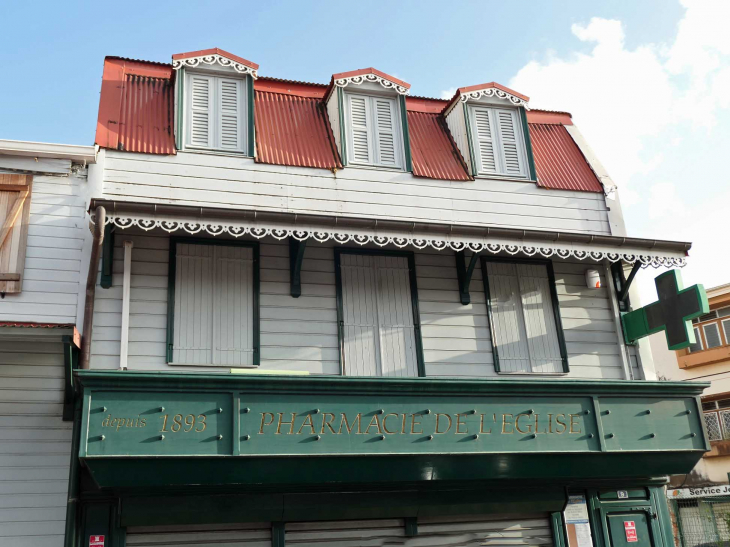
214 101
215 113
374 135
367 113
498 141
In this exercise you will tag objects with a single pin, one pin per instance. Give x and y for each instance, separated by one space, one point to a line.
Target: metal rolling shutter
234 535
346 533
489 530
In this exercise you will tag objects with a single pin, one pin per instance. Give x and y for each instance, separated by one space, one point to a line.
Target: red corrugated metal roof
135 108
433 152
559 162
292 130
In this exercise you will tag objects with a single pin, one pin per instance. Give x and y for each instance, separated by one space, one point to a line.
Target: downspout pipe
99 223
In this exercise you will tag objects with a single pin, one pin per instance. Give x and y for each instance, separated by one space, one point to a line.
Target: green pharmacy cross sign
673 312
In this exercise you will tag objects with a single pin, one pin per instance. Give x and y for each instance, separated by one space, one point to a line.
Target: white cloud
448 93
657 117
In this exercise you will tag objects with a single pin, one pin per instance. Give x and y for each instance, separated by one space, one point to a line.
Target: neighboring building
701 499
44 248
339 313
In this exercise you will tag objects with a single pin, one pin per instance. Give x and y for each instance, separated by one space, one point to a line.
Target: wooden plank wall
35 445
202 180
301 333
56 233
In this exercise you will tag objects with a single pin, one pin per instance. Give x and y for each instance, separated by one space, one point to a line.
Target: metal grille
702 522
712 421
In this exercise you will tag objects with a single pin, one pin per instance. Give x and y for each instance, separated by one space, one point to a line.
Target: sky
647 82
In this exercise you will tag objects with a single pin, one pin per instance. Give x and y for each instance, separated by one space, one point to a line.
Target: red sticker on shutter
96 541
630 528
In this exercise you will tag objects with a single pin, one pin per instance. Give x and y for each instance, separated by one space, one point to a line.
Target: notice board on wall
577 525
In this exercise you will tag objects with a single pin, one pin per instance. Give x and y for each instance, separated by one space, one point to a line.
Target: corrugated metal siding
145 121
559 162
433 152
35 444
235 535
292 130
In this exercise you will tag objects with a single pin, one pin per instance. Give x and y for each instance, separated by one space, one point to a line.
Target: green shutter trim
528 144
469 139
556 522
251 118
553 296
343 133
414 299
180 109
107 257
406 134
256 289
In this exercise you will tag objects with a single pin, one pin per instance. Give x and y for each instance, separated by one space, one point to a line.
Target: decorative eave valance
177 64
400 234
496 93
374 78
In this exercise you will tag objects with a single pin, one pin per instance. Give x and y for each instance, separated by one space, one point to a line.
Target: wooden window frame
524 143
420 362
254 245
248 123
401 139
18 217
556 312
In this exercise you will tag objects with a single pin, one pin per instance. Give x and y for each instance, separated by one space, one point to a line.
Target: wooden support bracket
70 358
464 273
296 255
622 285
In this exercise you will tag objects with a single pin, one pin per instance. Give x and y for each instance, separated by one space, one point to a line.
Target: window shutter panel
385 132
508 326
201 111
395 317
233 310
193 325
359 306
540 327
14 218
712 335
483 128
697 346
360 145
512 157
230 106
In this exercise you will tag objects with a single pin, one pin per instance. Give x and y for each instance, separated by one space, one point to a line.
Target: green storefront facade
174 450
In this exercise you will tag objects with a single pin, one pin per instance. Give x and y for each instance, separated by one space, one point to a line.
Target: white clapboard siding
56 233
456 122
35 445
213 305
230 114
486 530
202 180
200 111
238 535
346 533
300 334
379 333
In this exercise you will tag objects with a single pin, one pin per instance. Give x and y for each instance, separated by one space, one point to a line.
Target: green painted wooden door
630 529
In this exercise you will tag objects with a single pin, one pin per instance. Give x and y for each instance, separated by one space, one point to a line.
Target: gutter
100 221
391 225
73 152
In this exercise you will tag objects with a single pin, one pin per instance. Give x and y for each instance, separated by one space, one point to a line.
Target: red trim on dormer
215 51
479 87
370 70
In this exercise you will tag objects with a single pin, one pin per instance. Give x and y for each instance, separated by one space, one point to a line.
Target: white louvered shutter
395 317
361 146
230 118
378 327
508 324
482 118
512 156
540 327
233 309
193 327
201 108
385 132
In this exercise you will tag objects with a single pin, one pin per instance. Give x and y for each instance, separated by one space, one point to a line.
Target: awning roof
419 235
